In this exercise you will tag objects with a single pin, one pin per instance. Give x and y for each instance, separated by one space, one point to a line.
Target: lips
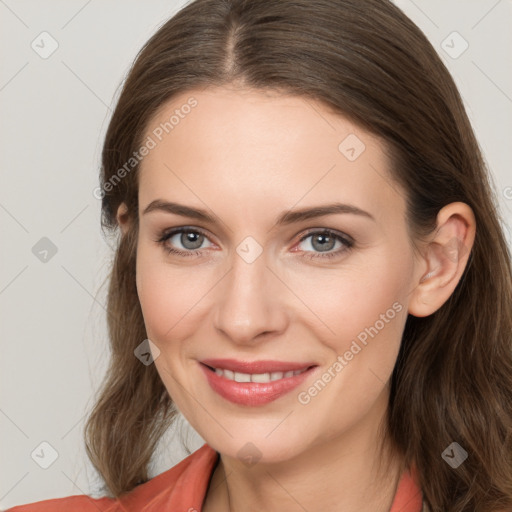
255 383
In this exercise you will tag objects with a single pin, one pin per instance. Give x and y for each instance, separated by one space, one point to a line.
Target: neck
343 473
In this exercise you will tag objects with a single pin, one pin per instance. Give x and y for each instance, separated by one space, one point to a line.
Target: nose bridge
248 299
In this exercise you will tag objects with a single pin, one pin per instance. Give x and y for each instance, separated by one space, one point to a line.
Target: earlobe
122 217
445 259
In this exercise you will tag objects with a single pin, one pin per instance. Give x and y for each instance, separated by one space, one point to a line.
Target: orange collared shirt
183 489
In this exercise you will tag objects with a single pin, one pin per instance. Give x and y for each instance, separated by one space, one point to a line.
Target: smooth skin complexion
247 157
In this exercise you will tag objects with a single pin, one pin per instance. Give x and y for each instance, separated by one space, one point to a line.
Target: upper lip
255 367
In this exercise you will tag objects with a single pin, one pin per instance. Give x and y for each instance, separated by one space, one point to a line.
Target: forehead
259 146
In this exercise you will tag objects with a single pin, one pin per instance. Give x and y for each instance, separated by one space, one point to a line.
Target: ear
122 217
445 259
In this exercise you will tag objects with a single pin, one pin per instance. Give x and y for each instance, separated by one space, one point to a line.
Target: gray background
54 114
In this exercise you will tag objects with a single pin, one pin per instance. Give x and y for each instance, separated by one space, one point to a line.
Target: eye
324 241
190 239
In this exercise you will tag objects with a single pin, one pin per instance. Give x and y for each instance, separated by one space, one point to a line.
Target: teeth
242 377
256 377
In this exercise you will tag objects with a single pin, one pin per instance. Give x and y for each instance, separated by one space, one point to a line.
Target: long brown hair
367 61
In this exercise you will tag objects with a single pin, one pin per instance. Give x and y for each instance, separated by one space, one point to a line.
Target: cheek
365 316
167 299
349 300
170 297
362 312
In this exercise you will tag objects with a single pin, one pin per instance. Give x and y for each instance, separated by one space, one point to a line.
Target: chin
259 448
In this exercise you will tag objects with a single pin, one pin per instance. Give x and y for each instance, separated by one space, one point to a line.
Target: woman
311 269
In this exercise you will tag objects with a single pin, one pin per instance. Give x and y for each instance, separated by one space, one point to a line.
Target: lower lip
253 393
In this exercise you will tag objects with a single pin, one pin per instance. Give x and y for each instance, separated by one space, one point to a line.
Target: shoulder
184 483
183 487
79 503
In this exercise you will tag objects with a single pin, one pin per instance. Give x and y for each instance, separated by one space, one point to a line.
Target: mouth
261 382
256 367
255 377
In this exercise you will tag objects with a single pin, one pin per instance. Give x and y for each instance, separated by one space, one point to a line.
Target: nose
250 301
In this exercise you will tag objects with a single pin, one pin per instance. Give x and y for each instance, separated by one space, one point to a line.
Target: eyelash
165 235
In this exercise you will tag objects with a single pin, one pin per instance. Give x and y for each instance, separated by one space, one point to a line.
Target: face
251 280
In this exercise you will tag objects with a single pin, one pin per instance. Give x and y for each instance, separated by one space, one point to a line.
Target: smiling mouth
254 386
255 377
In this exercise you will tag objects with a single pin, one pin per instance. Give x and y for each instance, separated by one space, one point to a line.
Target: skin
247 156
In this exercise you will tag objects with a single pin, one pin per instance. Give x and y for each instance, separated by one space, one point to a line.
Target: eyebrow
286 218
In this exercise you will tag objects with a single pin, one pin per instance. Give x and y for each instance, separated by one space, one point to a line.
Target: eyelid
165 234
334 232
172 231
